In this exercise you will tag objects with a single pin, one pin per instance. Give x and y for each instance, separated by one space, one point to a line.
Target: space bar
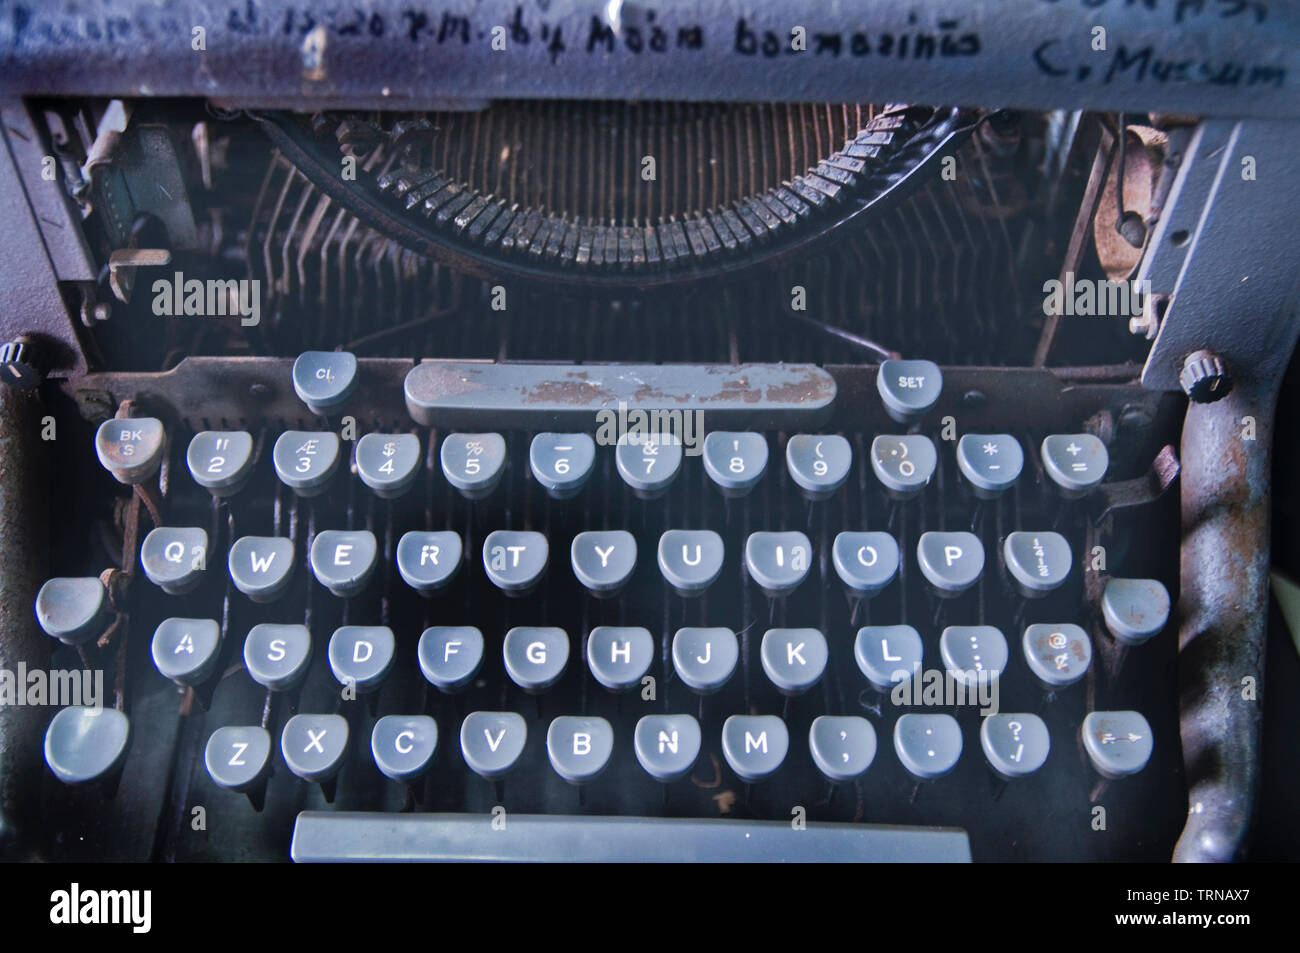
331 836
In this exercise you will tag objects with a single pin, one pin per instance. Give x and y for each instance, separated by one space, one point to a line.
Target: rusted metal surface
1141 490
1223 616
24 557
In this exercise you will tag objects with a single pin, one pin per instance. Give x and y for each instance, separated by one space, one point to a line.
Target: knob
1204 377
21 365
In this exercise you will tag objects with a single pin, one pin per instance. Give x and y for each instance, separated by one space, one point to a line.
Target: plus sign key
1075 463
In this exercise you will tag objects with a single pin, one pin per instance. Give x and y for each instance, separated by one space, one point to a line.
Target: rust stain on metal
579 393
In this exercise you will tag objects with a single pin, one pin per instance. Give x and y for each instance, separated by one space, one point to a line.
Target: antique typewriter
570 431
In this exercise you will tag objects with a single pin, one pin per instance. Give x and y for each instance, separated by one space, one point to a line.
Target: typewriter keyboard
935 617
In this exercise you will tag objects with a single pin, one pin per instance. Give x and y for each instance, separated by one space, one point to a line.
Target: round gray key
927 745
754 745
473 462
362 655
667 745
131 448
535 656
562 462
704 658
261 566
1075 462
648 464
819 464
842 747
221 461
174 557
950 562
619 656
492 741
238 756
604 560
735 461
403 746
1037 562
388 462
1135 609
1118 743
342 560
904 464
450 655
990 462
305 460
579 748
82 744
794 659
71 609
1058 655
973 652
909 389
1015 745
428 561
865 562
185 650
778 562
277 656
887 654
514 560
324 380
314 746
690 559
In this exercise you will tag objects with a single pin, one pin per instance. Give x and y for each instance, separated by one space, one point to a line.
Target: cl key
130 448
324 380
